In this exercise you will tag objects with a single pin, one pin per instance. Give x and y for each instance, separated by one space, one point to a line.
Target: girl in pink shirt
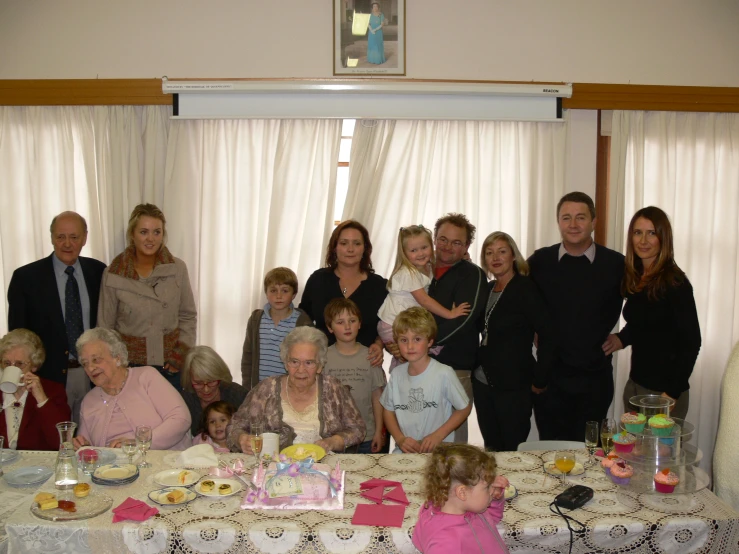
216 417
464 502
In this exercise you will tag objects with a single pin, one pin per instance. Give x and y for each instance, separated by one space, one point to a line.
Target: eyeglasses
16 363
204 384
443 241
294 363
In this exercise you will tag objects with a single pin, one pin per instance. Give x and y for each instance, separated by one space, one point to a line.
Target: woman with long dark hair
661 318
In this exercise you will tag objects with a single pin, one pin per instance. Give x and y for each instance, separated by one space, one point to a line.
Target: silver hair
202 363
305 335
111 338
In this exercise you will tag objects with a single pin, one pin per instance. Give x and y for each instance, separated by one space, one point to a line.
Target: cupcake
661 425
634 422
624 442
607 463
665 481
621 473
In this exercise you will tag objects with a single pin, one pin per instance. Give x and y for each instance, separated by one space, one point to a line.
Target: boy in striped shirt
269 326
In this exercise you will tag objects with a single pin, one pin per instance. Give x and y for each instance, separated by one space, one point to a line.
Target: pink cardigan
146 399
440 533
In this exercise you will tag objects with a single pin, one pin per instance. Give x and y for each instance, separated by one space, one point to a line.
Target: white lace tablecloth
617 521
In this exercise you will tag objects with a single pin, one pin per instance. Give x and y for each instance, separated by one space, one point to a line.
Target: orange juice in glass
564 461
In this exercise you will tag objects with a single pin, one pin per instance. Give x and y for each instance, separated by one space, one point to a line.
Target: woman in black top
348 273
661 319
508 372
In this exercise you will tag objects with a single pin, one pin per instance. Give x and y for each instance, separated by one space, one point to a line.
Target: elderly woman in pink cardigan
125 398
304 406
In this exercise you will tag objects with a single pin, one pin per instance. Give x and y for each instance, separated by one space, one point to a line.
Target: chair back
550 445
726 452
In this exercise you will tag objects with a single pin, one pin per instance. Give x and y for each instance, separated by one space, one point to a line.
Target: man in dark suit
58 304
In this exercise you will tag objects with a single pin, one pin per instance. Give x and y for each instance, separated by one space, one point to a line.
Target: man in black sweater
456 281
580 282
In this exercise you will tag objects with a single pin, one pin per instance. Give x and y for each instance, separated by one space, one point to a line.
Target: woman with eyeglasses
30 414
206 379
305 406
146 296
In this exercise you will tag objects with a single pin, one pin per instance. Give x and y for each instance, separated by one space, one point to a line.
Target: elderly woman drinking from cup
125 398
32 405
206 379
304 406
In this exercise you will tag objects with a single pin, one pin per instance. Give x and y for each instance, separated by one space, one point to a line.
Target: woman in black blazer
508 373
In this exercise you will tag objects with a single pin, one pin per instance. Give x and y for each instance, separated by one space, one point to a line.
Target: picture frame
369 40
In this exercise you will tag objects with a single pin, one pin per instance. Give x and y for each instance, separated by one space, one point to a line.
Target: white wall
676 42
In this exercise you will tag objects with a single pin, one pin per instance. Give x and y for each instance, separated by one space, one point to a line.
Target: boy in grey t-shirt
347 361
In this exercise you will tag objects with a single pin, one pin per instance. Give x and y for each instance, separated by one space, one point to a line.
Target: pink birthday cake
296 486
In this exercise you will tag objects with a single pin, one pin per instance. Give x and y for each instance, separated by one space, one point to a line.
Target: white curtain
243 197
505 176
688 165
99 161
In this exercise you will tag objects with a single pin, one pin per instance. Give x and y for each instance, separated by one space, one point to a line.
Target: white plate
7 456
94 504
25 476
552 470
235 487
160 496
116 472
171 478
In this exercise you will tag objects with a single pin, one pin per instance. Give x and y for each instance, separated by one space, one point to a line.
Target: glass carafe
65 474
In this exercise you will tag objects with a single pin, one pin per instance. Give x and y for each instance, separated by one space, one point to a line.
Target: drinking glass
257 440
607 430
2 440
564 460
591 439
129 448
143 441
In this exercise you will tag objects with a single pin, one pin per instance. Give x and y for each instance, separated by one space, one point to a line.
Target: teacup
11 379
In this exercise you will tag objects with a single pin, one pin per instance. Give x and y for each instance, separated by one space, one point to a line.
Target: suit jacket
38 425
507 359
34 304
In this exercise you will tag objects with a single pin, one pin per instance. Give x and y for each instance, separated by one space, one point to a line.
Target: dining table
616 520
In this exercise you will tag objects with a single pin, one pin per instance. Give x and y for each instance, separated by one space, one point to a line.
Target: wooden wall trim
585 96
590 96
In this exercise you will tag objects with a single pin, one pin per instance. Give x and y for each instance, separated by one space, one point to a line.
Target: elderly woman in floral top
304 406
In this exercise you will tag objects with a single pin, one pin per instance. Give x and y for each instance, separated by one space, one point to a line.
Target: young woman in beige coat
146 297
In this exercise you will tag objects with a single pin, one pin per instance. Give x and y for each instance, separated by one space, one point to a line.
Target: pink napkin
397 495
372 483
379 515
134 510
375 495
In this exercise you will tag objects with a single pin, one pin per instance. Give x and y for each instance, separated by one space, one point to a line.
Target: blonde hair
419 320
28 340
520 265
140 211
401 260
204 362
456 463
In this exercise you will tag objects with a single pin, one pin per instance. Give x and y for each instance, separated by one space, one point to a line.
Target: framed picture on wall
369 37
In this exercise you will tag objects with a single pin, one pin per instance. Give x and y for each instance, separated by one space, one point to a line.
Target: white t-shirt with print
423 403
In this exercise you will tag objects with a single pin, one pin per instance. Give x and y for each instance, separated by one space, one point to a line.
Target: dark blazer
507 359
38 425
34 304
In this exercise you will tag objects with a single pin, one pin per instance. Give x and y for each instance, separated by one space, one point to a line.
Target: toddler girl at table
464 502
408 285
216 417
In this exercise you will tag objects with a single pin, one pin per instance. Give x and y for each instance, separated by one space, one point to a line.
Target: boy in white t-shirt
424 401
347 361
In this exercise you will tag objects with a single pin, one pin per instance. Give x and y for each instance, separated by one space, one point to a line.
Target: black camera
574 497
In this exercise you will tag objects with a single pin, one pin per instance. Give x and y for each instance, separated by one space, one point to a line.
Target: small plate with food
300 452
172 496
217 487
176 478
84 504
510 492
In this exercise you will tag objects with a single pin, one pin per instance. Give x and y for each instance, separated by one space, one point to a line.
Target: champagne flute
591 439
143 441
607 430
564 461
129 448
257 440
